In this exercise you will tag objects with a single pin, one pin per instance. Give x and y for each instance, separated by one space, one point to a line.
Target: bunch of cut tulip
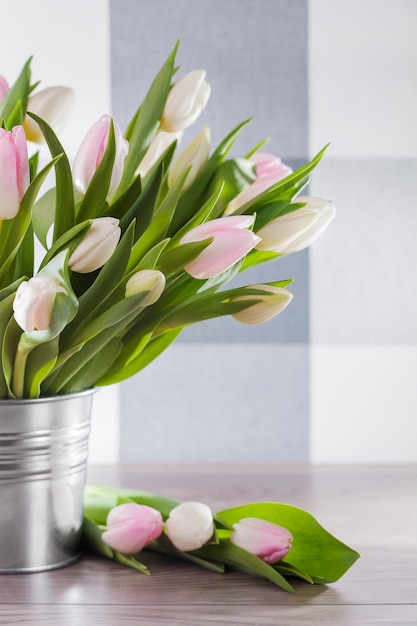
265 539
139 238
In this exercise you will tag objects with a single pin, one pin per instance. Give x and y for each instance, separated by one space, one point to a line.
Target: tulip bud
273 302
195 156
296 230
186 100
97 246
266 540
34 302
160 143
130 527
54 105
91 152
269 170
14 171
4 88
190 525
231 242
149 282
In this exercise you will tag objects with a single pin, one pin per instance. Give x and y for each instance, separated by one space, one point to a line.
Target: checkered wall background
332 377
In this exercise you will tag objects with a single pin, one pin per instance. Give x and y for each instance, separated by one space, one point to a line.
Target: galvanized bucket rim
45 399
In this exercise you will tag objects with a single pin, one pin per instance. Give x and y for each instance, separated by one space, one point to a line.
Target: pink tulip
186 100
4 88
130 527
269 170
231 242
268 541
14 171
34 302
52 104
91 152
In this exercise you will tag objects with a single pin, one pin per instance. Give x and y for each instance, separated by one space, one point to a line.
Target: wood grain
371 508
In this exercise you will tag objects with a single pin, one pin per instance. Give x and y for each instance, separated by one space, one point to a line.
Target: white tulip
195 156
273 302
97 246
190 525
296 230
186 100
149 282
52 104
160 143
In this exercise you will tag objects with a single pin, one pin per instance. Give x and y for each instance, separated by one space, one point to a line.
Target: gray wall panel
224 391
218 403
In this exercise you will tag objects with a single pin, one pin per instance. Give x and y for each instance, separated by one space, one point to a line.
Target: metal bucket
43 459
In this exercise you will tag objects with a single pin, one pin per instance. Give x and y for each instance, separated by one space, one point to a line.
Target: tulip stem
18 379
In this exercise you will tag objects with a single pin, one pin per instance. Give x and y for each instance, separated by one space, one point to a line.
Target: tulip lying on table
266 539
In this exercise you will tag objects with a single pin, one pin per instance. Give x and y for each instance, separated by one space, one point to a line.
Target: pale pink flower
231 242
269 170
266 540
14 171
130 527
34 301
91 152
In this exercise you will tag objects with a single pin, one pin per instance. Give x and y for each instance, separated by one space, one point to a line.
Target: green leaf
143 208
91 534
17 96
164 546
160 222
96 364
69 241
128 368
314 550
100 499
146 120
229 554
255 257
150 259
64 216
196 193
43 215
130 561
6 312
39 364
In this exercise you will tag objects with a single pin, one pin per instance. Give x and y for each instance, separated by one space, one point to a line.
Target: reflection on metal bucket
43 458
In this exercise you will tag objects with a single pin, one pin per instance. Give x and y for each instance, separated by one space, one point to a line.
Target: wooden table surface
371 508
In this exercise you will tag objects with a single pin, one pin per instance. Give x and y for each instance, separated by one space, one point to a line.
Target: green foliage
96 335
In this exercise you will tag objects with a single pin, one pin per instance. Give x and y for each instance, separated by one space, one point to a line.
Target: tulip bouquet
138 240
266 539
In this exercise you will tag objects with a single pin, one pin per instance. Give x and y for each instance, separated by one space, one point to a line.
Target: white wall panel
69 41
364 404
363 63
